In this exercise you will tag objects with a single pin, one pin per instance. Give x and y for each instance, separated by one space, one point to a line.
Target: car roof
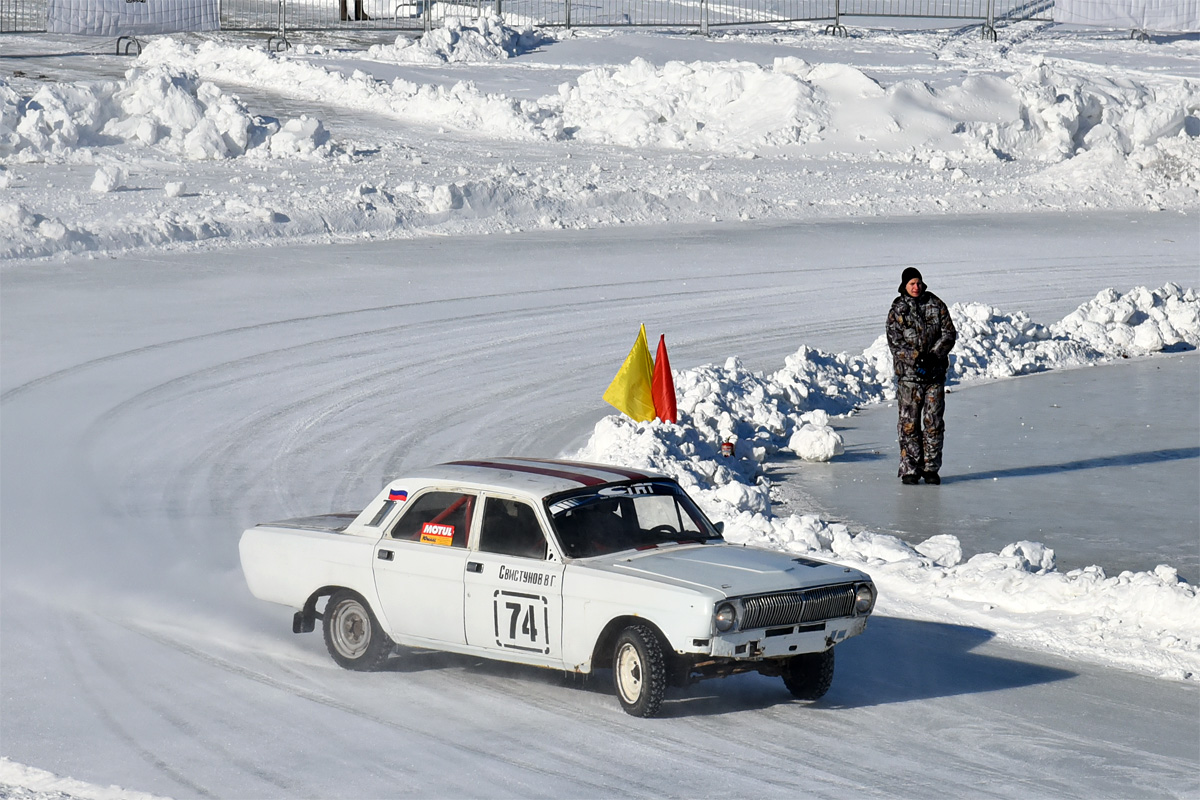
532 476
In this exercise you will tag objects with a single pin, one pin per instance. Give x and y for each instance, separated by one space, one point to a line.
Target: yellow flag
631 391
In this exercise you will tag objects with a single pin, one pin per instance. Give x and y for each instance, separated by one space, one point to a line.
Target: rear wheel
352 634
639 671
808 676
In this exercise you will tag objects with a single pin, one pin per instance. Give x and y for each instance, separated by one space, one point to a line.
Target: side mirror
720 526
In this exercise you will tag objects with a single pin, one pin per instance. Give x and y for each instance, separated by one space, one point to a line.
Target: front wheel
352 634
808 676
639 671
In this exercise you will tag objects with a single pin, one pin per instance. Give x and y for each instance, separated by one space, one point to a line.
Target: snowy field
238 286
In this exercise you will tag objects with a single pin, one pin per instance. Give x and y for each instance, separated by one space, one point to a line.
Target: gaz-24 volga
558 564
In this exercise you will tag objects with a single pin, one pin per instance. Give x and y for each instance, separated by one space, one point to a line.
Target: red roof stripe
586 480
633 475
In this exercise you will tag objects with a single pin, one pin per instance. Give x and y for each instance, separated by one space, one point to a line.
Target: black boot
910 480
932 477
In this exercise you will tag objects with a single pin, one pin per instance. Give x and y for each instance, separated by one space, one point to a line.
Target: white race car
558 564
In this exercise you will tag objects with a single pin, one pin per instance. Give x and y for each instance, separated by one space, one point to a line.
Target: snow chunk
816 443
108 179
944 550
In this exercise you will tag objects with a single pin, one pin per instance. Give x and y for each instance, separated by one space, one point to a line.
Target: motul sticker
433 533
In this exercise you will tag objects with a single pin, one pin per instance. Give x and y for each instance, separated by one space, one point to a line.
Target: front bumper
785 640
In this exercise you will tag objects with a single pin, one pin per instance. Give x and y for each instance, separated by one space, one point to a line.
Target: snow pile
1147 621
1060 114
716 106
461 105
760 413
1136 323
815 439
20 226
1143 321
459 41
32 782
687 141
1135 619
1042 113
160 107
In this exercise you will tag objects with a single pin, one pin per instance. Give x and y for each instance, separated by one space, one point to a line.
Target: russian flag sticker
397 495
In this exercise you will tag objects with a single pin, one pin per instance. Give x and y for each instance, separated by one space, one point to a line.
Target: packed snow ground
749 126
136 374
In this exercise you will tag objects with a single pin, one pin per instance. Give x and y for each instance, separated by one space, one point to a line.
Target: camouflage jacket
920 335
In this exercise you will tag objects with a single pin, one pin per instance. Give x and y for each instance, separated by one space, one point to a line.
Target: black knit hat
908 274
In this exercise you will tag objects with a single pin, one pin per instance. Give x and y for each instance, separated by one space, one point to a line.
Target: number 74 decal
522 621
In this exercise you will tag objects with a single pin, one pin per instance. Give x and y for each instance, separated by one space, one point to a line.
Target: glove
925 365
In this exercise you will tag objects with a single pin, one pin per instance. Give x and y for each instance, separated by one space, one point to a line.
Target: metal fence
985 11
18 16
279 16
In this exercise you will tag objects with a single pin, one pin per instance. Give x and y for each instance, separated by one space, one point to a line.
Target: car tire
352 634
639 671
809 676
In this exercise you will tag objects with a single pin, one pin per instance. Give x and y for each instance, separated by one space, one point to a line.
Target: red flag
663 386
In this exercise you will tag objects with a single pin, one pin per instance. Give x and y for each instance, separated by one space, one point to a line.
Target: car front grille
789 608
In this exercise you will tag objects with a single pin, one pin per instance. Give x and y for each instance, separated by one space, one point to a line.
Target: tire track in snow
417 729
302 414
100 704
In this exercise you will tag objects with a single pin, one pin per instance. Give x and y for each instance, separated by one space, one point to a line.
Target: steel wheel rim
351 629
629 673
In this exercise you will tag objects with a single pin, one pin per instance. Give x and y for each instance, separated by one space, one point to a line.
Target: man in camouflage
920 335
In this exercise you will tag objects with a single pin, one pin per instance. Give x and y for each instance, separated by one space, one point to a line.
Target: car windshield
628 516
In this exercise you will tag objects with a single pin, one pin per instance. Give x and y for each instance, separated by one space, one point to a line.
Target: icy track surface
237 286
153 408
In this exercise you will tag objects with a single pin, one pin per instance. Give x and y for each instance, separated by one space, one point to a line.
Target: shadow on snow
894 661
1123 460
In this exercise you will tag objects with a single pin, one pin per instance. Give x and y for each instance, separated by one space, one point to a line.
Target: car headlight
725 617
864 598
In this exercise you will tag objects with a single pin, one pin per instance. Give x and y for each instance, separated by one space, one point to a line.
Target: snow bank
760 413
1148 620
1043 113
1062 113
159 106
680 142
461 105
729 106
38 784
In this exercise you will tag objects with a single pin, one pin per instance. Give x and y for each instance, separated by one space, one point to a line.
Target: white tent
131 17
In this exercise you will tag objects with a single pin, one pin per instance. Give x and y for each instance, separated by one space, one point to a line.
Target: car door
419 566
513 598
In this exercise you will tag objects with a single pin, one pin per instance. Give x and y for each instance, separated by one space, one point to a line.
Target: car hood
731 570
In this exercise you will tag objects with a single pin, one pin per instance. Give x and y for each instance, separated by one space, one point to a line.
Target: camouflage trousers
922 427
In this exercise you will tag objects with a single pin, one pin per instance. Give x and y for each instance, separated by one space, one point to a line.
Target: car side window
511 528
441 518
